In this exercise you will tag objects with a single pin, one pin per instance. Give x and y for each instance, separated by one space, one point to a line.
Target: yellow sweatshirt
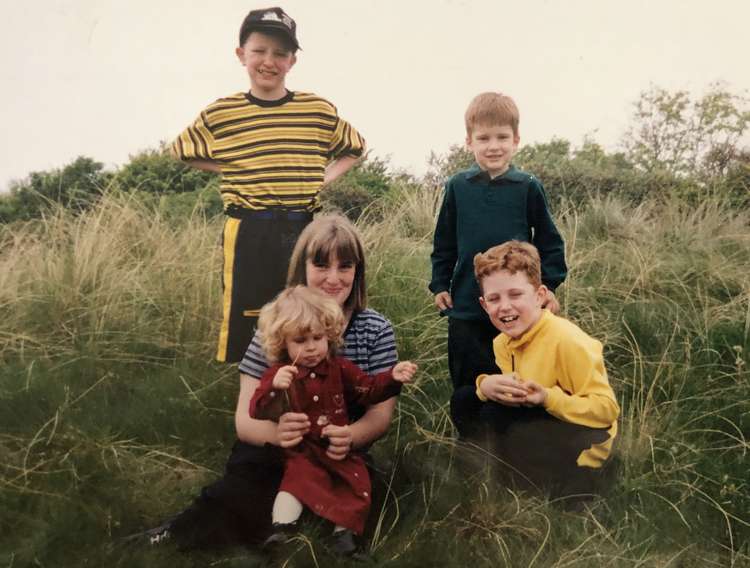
560 356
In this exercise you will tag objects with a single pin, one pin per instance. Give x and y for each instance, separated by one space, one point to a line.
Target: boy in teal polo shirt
490 203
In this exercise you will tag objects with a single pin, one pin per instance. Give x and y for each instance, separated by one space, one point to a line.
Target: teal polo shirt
478 213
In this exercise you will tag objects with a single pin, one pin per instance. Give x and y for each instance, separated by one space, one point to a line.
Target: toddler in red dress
300 331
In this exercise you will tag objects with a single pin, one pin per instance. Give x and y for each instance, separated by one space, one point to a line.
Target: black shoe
282 533
342 543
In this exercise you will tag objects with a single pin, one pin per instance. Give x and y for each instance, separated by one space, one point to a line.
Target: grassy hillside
113 414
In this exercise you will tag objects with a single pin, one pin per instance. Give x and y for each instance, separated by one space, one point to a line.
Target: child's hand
537 394
443 301
404 371
551 302
284 377
504 389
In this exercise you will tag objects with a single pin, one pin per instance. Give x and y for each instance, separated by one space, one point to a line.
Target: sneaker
158 535
150 537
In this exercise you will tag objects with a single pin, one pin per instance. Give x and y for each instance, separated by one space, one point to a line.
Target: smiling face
307 349
493 147
267 59
333 277
513 303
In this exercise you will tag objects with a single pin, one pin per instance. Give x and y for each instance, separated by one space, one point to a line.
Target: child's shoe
342 543
282 533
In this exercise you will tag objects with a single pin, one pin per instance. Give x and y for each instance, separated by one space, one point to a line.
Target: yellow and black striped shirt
271 153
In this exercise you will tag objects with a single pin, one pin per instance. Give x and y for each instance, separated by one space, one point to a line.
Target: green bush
360 187
76 187
157 172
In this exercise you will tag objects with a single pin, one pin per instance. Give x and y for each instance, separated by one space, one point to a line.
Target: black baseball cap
269 19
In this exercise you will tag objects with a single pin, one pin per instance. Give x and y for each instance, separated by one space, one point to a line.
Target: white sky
107 78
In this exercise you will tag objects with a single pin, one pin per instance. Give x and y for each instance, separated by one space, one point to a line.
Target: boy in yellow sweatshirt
552 415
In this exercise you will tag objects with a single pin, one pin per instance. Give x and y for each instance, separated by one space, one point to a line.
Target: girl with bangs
300 332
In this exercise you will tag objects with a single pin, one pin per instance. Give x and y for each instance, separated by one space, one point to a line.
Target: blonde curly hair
299 310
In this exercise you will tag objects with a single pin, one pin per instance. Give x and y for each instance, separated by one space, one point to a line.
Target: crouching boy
552 415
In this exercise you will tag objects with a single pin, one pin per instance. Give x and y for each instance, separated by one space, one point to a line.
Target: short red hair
513 256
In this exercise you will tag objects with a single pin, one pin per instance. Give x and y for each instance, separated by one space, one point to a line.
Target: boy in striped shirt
275 150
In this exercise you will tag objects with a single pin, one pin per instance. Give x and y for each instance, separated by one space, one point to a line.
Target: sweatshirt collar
532 332
513 174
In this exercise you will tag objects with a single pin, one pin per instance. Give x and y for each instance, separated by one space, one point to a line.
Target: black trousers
257 247
534 449
236 509
470 350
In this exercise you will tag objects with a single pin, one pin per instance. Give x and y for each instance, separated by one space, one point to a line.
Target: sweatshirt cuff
480 394
554 396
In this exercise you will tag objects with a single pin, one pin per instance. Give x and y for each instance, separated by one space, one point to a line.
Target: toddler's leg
286 509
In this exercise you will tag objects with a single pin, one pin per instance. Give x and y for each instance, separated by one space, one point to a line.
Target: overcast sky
106 78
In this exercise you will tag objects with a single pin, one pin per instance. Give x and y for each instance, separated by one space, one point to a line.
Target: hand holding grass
284 377
292 426
504 389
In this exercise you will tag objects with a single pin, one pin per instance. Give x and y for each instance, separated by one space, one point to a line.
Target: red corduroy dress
337 490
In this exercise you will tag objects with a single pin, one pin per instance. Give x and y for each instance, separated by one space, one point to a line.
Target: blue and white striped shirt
369 343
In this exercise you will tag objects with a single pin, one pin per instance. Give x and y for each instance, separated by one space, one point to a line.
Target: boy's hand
537 394
551 302
205 165
504 389
284 377
443 301
404 371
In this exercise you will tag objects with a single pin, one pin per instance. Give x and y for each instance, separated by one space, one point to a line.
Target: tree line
677 143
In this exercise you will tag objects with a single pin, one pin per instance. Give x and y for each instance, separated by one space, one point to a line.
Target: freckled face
513 304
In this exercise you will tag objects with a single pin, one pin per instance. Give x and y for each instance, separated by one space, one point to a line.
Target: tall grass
112 413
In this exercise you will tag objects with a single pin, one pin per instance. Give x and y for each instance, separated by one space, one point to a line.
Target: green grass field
113 414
